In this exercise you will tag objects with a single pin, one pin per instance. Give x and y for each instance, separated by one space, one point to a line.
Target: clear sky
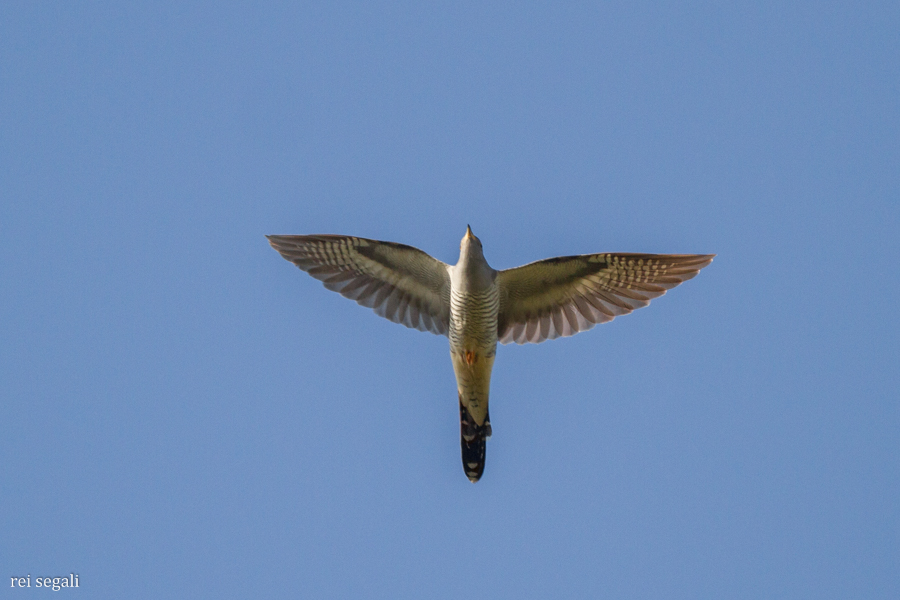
187 415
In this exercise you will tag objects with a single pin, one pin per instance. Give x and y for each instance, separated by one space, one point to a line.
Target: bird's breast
473 320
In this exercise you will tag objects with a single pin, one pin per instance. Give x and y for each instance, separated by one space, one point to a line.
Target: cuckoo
476 306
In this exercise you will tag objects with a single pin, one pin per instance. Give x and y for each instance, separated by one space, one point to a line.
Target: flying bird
476 306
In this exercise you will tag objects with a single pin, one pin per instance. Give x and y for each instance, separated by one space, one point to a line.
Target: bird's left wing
399 282
562 296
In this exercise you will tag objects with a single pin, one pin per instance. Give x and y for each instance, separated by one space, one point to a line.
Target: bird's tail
473 439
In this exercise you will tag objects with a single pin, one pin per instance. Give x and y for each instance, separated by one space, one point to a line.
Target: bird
476 306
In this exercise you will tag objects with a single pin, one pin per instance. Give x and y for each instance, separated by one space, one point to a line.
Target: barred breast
473 321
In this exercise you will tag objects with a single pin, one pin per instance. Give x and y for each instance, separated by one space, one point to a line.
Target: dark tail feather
473 439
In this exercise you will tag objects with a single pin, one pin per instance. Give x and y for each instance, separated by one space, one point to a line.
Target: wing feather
401 283
562 296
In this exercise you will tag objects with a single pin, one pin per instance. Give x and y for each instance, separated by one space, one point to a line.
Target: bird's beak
469 233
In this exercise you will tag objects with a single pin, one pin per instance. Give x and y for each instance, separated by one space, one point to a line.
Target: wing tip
276 241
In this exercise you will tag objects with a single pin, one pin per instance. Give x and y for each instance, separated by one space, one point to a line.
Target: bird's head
470 245
471 262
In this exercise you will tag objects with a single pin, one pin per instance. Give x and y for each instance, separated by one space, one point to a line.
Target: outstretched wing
562 296
399 282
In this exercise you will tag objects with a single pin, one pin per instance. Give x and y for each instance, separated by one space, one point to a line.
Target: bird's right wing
399 282
562 296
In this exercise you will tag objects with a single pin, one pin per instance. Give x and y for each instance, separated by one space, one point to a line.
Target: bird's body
474 311
476 306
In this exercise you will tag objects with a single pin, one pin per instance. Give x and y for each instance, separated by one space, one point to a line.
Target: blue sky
188 415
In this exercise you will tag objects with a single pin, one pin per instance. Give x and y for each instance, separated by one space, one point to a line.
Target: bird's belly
473 381
473 344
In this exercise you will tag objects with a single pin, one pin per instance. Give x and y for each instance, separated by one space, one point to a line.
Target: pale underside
543 300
